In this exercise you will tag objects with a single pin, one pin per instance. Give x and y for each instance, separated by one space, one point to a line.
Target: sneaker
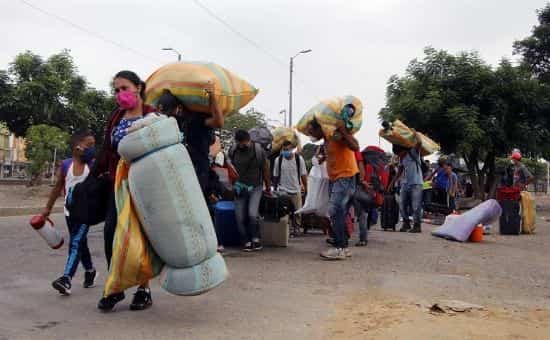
334 254
405 228
361 244
142 299
331 241
347 252
62 285
106 304
248 247
89 279
221 249
257 246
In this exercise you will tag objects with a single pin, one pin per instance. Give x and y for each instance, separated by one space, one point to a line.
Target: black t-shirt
197 137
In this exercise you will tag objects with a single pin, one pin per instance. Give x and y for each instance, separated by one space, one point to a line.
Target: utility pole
290 86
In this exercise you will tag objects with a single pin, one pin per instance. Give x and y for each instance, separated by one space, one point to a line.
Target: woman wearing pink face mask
130 93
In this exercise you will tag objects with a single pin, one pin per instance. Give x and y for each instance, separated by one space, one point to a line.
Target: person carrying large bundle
336 121
198 95
400 134
331 113
162 227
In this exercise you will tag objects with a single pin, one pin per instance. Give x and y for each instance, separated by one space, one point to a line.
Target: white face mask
220 159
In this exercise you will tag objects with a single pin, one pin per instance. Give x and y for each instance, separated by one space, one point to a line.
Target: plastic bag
318 195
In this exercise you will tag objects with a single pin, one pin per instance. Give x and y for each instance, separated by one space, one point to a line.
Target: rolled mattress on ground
459 227
168 200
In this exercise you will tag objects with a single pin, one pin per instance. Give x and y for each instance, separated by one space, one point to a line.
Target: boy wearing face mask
73 171
290 174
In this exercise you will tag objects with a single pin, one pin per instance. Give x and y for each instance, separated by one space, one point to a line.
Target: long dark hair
134 79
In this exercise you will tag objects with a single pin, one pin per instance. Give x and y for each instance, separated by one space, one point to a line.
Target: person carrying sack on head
410 169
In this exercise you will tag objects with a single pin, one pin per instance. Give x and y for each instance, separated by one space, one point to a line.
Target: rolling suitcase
389 216
274 233
225 222
510 220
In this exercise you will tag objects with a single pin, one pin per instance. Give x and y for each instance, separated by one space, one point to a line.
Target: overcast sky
357 45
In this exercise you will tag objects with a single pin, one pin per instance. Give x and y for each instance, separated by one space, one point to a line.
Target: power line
87 31
275 58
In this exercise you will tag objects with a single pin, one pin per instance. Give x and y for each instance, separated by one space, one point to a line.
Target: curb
25 211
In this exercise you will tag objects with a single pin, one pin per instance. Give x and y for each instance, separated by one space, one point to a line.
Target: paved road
277 294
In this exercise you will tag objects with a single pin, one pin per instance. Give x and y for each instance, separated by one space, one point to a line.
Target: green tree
472 110
535 49
246 121
42 141
37 91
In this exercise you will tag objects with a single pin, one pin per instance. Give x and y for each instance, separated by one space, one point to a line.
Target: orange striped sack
189 81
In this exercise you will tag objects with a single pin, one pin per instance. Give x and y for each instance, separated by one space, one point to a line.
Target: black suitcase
510 220
276 206
390 212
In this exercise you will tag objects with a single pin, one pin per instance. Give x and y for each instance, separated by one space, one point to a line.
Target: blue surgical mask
286 154
89 154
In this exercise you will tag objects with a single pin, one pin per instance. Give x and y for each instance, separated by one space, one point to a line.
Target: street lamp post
290 87
283 112
173 50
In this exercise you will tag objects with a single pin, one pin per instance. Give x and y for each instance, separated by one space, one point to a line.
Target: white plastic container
52 236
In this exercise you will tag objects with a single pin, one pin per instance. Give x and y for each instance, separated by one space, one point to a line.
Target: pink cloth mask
126 99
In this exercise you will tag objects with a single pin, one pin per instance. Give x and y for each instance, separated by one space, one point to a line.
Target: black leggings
110 227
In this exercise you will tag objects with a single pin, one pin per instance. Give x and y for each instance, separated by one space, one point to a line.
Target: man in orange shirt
342 170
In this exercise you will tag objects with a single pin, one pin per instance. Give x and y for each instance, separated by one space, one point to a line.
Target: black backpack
88 200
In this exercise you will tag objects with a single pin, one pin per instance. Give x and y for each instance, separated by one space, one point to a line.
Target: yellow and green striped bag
189 82
282 134
327 114
401 134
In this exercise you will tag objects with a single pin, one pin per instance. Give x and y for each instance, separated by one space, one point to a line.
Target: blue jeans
78 248
341 199
411 203
247 212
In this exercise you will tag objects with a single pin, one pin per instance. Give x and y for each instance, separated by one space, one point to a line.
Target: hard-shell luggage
226 223
390 212
510 220
275 233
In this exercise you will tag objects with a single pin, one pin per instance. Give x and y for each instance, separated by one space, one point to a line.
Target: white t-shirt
71 180
288 179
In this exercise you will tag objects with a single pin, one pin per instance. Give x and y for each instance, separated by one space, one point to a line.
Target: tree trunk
477 179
